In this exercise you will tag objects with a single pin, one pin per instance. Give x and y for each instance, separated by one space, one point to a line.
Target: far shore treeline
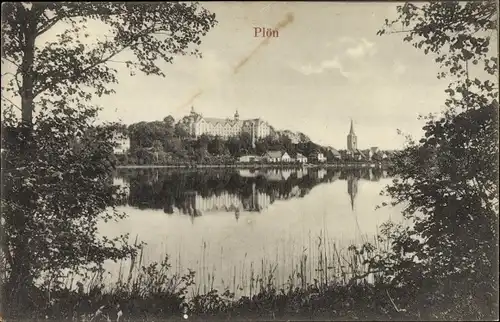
169 142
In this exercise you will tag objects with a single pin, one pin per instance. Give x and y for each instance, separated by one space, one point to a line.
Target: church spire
352 128
352 140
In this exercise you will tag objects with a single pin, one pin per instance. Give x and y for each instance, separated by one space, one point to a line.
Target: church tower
352 140
236 116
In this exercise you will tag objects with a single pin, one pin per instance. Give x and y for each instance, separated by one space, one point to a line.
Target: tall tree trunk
26 91
20 278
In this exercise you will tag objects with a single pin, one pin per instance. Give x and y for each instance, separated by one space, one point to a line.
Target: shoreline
254 166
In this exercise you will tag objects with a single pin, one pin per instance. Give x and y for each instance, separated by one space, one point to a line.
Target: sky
327 67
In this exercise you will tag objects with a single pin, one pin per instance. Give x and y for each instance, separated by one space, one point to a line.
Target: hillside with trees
167 142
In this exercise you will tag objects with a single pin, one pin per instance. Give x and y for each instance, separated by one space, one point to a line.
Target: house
122 144
379 156
367 154
318 157
277 156
354 155
249 158
333 155
359 155
300 158
371 153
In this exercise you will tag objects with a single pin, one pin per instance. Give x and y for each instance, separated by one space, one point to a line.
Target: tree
153 32
447 181
246 142
182 127
234 146
143 134
170 121
55 192
261 147
216 146
53 200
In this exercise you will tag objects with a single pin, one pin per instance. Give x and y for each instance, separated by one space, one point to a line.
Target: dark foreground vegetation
156 294
57 163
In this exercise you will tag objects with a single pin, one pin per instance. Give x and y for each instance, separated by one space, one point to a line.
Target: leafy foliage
57 165
54 196
69 66
448 180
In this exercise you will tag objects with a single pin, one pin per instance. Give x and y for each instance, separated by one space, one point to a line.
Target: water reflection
196 193
228 223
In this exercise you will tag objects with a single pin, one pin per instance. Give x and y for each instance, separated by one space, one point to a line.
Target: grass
152 291
326 283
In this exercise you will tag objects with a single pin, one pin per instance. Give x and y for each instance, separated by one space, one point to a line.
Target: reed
155 290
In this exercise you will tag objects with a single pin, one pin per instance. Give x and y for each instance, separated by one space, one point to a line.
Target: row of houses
373 154
285 157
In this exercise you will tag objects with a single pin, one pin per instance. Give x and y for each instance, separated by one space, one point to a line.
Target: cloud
346 40
361 49
398 68
310 69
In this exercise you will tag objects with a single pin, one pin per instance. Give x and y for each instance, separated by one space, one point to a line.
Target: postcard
249 161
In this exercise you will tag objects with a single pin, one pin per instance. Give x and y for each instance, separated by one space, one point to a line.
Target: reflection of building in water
321 174
335 176
277 175
257 201
286 174
124 185
225 202
352 188
228 202
246 173
302 173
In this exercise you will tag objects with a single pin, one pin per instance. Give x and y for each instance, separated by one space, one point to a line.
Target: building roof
249 156
299 155
274 154
214 121
224 122
374 149
334 151
360 153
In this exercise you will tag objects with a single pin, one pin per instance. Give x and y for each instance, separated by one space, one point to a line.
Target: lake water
229 224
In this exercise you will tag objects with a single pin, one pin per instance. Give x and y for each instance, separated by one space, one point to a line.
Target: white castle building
227 127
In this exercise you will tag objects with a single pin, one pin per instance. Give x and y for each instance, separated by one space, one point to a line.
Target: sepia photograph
249 161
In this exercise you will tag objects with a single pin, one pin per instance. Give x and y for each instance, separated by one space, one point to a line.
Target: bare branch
48 24
12 103
11 61
394 304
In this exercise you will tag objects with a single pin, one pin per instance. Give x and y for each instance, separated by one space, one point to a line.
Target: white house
300 158
318 156
122 144
249 158
277 156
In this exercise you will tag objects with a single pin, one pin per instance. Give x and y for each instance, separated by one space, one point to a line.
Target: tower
253 135
352 188
236 116
352 140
